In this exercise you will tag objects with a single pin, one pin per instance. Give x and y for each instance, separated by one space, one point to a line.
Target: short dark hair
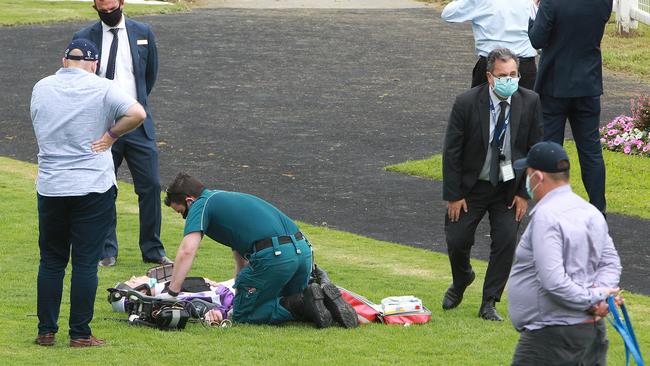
183 185
501 54
562 176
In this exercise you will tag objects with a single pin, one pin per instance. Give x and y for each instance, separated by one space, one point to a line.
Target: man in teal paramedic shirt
273 259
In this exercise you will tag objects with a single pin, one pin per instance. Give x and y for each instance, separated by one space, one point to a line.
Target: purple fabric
222 296
226 297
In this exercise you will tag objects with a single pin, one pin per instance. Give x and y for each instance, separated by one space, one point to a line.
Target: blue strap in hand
626 331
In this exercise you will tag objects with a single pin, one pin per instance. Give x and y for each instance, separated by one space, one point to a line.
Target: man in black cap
77 116
565 267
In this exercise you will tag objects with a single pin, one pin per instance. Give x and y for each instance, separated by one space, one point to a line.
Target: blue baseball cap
545 156
88 48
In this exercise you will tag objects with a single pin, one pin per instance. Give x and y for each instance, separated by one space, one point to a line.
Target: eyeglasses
507 78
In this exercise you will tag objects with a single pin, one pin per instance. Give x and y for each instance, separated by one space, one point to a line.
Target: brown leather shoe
87 342
45 340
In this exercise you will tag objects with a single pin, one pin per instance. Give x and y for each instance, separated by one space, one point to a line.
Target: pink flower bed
629 135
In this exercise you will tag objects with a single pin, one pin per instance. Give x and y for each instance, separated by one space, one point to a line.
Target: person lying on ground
218 295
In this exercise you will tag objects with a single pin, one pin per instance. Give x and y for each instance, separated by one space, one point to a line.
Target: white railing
630 12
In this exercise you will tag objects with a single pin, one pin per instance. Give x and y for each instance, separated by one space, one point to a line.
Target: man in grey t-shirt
77 116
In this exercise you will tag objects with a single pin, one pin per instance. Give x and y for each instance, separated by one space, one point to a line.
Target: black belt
521 59
268 242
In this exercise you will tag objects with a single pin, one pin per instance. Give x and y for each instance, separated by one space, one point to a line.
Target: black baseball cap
88 48
545 156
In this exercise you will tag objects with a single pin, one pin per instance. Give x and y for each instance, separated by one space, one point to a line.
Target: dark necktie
496 143
110 67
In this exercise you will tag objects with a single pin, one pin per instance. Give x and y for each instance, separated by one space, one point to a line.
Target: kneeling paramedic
273 259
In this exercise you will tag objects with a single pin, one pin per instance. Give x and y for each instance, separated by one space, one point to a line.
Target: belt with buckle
521 59
268 242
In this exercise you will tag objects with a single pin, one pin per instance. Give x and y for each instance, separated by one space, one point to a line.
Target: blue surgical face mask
530 190
505 86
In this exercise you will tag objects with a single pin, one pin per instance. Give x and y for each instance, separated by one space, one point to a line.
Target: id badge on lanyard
507 172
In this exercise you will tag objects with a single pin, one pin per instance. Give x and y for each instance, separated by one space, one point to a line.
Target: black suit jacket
569 34
467 139
145 60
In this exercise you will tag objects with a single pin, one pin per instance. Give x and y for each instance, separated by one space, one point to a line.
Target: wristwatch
112 134
172 293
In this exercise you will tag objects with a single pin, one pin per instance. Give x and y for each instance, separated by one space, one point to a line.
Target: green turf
19 12
372 268
628 179
629 54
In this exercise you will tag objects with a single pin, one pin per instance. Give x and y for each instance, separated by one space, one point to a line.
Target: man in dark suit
128 56
570 80
490 126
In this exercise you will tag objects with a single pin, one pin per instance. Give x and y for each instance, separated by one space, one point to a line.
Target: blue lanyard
626 331
493 112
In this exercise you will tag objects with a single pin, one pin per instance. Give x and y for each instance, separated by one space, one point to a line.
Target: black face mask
111 19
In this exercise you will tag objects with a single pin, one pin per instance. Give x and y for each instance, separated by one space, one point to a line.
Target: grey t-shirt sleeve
118 101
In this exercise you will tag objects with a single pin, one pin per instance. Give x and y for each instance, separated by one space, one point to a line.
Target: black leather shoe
315 309
488 311
162 260
340 309
107 262
454 296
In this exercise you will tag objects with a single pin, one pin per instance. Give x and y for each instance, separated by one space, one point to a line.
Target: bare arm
133 118
184 259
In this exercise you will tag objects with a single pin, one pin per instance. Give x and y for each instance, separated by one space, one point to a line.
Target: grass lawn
627 54
628 179
438 4
18 12
372 268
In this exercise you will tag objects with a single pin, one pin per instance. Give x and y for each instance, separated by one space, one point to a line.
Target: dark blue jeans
74 226
584 116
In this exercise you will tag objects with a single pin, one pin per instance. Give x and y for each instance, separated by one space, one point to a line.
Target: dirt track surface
304 108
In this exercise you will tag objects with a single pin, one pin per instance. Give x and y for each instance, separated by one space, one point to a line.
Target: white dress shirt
495 23
494 115
123 61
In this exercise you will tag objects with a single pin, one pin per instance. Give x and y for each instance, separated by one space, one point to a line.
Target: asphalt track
304 108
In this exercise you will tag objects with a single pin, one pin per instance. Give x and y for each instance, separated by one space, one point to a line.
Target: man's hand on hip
454 207
103 144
